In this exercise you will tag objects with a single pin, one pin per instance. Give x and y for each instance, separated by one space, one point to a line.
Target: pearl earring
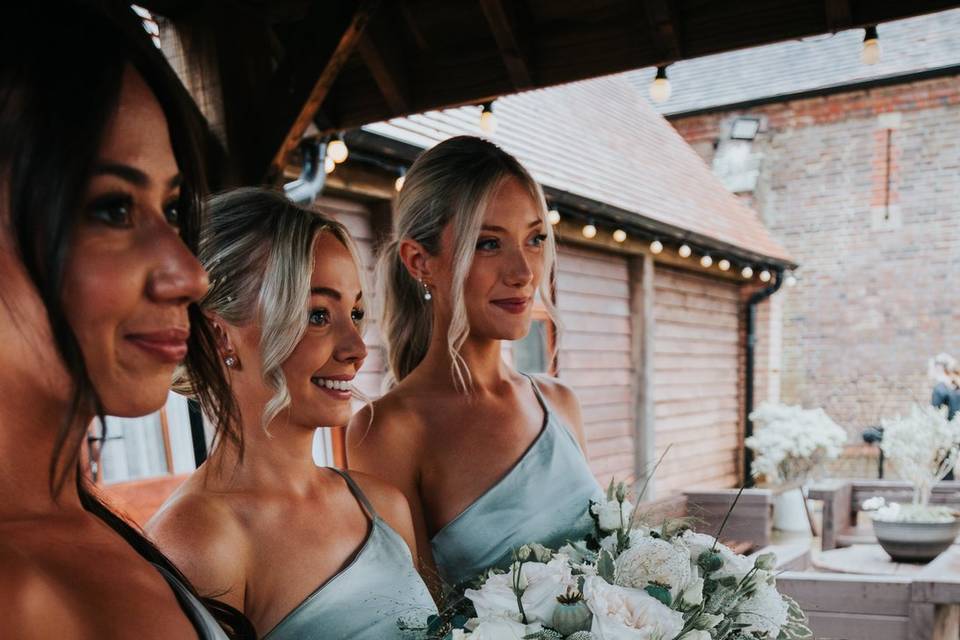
426 291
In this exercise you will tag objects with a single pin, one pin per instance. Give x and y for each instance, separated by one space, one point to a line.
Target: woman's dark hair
61 69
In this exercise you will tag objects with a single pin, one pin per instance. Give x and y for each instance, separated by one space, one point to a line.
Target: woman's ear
224 343
416 259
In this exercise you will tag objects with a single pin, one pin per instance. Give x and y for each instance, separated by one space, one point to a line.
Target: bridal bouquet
628 581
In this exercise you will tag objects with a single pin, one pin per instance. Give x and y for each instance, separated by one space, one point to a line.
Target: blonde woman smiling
304 552
488 458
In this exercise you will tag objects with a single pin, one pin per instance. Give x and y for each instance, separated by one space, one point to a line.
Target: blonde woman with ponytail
304 552
488 458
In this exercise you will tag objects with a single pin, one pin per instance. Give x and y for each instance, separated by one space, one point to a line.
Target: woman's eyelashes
491 244
113 209
117 210
321 317
488 244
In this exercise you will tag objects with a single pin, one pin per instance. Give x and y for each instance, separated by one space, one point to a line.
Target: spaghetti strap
538 393
357 493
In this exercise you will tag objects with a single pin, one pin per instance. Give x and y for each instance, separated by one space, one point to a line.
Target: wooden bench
843 499
749 527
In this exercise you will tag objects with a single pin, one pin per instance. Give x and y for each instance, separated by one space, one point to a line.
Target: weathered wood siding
593 294
696 381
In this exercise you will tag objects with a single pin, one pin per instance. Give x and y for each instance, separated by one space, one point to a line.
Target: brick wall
861 189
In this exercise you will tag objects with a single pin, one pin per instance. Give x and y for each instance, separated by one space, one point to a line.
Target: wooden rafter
663 30
304 79
838 15
511 51
382 55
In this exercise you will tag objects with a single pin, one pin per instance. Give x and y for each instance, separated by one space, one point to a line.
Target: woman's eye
488 244
114 210
172 213
357 315
539 239
319 317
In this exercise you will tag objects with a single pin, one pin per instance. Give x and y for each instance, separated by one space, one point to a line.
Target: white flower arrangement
923 447
791 442
644 583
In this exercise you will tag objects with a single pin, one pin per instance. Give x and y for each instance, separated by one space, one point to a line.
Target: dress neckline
375 524
545 426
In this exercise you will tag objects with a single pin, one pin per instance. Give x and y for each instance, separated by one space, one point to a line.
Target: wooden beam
382 55
303 79
642 329
838 15
504 32
663 30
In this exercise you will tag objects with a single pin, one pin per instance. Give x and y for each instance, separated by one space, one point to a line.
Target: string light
724 265
685 251
488 121
871 46
656 247
329 165
337 149
553 216
747 272
660 87
589 230
765 275
398 184
706 261
620 235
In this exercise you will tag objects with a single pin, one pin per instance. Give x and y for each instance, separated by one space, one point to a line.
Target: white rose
543 583
766 611
620 613
613 515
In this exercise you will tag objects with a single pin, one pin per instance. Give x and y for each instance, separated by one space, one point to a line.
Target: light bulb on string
553 216
620 235
398 183
337 149
871 46
589 230
685 251
329 165
706 261
488 121
747 272
765 275
724 265
656 247
660 87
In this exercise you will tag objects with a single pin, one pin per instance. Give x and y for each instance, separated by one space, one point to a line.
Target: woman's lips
167 345
513 305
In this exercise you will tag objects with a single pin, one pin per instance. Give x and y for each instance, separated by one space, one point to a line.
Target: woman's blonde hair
451 183
257 248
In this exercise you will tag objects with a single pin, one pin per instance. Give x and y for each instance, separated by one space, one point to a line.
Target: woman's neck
482 356
278 459
28 438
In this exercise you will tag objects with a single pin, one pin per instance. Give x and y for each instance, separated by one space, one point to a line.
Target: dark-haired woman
98 185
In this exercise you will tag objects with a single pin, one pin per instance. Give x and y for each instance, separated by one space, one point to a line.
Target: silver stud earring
426 291
230 361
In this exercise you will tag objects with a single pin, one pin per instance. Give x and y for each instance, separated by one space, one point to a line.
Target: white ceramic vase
789 513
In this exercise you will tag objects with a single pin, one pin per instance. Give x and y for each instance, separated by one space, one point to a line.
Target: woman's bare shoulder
204 536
